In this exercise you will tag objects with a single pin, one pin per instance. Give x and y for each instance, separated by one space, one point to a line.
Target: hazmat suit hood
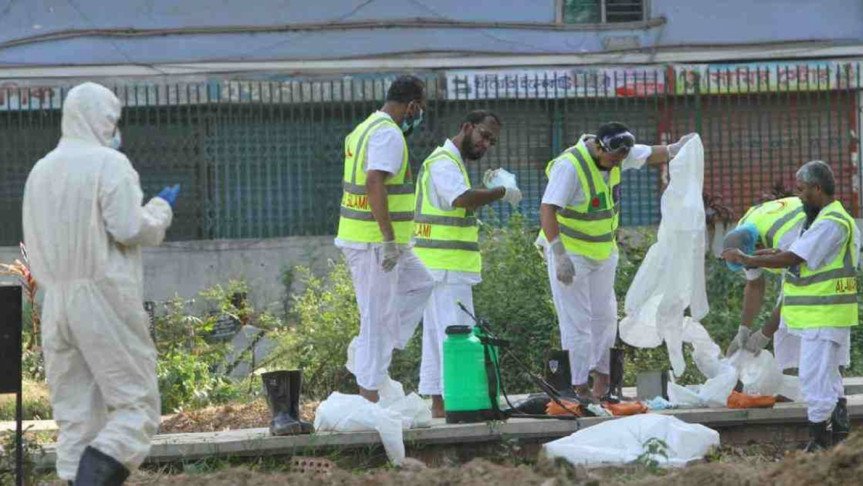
90 114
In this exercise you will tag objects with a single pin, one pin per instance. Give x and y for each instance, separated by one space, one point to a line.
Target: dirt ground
730 467
246 416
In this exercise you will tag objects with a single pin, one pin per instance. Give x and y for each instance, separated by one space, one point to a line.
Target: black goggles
622 142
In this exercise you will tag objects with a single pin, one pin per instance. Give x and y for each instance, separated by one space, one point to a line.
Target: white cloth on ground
586 314
84 224
441 312
390 305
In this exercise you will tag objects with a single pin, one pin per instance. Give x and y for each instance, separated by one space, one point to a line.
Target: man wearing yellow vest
579 217
446 238
772 225
376 220
819 298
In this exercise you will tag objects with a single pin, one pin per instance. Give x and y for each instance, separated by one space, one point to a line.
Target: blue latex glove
169 194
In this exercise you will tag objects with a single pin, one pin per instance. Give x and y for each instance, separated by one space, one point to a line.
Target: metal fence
264 159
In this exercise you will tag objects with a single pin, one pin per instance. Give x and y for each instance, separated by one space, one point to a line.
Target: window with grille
602 11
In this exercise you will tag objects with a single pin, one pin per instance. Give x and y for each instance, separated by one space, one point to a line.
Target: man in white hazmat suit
446 237
84 225
819 298
579 217
391 284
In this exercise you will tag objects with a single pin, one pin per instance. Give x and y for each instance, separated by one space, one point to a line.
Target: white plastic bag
622 441
671 277
760 374
393 413
500 178
353 413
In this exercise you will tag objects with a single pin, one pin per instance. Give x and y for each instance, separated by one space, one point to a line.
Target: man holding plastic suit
579 217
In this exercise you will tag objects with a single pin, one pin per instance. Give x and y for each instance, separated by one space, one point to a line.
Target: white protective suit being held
84 224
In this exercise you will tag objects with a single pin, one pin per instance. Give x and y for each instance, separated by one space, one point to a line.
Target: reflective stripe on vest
444 240
587 229
356 221
774 219
826 297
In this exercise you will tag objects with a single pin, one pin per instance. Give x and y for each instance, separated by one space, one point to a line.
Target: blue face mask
410 126
117 141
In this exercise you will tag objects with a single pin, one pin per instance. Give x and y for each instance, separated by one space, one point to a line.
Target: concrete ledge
258 442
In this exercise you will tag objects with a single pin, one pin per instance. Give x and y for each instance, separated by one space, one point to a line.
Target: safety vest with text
773 220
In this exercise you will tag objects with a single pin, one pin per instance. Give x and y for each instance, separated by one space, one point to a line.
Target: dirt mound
841 465
475 473
227 417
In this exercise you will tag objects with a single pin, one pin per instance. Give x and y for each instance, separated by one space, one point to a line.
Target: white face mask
117 141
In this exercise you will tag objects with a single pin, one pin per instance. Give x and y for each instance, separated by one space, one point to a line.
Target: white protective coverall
84 225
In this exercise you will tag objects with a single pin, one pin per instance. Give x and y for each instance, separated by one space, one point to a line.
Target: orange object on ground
623 409
571 407
742 400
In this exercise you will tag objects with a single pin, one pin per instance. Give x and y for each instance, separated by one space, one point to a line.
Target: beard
811 213
468 150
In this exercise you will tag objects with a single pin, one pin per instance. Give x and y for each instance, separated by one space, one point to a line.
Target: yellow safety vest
444 240
826 297
773 219
589 228
356 222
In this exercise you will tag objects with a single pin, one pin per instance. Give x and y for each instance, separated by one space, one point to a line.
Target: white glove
756 343
563 266
675 147
739 340
512 195
390 253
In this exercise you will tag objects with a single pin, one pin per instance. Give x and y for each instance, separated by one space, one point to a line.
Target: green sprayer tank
466 381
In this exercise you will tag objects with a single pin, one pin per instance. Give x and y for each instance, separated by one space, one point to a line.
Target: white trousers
390 305
441 312
100 364
786 347
820 379
586 314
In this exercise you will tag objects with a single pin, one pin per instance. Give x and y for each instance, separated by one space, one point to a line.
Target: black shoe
614 394
557 372
283 397
99 469
820 437
839 421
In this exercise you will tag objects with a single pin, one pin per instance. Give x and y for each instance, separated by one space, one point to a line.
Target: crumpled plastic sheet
393 413
622 441
671 277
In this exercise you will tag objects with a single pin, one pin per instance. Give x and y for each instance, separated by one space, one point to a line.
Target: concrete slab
258 442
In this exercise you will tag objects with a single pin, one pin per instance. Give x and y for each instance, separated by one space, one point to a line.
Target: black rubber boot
839 421
283 398
296 382
99 469
820 437
614 394
557 372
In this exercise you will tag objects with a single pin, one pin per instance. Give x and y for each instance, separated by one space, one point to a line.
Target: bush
35 400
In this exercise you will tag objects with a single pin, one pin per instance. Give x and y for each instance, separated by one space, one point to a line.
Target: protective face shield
744 238
615 148
621 143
